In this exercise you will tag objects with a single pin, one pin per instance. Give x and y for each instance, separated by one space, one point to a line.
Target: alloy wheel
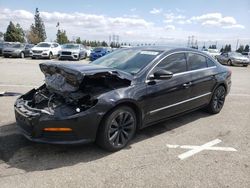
121 128
219 98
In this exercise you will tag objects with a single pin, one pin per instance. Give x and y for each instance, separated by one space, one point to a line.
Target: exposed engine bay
67 92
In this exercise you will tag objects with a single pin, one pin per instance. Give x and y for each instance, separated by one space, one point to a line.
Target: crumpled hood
65 77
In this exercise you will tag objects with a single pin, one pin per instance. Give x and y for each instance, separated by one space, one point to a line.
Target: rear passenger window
175 63
196 61
210 63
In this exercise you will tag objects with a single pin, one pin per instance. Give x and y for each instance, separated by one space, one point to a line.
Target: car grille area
37 51
65 53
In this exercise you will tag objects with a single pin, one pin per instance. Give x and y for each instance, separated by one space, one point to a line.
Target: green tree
14 33
246 49
39 26
61 37
240 49
37 31
1 35
104 44
78 40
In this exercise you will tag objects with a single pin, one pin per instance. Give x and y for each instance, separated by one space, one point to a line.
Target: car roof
165 48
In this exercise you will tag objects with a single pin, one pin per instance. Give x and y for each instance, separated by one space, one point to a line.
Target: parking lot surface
154 157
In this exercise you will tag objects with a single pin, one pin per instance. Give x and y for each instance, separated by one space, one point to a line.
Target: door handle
187 85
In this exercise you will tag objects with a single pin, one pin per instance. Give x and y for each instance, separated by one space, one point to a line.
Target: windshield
128 60
236 54
70 46
46 45
18 46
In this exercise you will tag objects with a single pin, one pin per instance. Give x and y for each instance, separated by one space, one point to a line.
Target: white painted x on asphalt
197 149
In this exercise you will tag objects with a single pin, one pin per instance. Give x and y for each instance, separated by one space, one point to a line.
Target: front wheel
229 63
217 100
245 65
117 129
50 55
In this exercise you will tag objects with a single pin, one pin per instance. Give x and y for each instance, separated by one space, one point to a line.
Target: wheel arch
130 103
220 84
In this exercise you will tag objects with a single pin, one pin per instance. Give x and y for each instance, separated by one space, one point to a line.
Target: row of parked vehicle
49 50
230 58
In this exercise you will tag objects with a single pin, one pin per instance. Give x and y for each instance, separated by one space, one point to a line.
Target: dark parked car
128 89
98 52
18 50
233 58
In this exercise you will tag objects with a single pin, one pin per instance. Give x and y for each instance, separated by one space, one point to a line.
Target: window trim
189 67
185 57
147 78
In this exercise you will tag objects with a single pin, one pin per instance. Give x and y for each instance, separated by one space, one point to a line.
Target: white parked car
45 50
212 52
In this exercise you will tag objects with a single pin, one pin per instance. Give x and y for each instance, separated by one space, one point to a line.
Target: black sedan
109 99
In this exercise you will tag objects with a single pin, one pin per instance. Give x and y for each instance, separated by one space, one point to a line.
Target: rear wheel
217 100
245 65
117 129
22 55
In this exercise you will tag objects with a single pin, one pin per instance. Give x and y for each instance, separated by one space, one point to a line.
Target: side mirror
163 74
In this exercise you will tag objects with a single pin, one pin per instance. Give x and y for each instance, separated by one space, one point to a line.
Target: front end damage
68 108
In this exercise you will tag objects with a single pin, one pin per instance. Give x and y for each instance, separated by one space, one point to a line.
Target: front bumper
95 56
238 62
12 54
31 124
69 57
40 55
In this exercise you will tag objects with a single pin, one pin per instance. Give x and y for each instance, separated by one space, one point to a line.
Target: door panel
203 79
163 98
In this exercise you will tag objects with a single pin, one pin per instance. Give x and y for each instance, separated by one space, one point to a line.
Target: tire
229 62
6 56
85 56
33 57
22 55
79 57
245 65
50 55
117 129
217 100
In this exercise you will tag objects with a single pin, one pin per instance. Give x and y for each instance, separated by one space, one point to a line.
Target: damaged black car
110 98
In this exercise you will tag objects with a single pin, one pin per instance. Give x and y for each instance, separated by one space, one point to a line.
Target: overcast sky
155 21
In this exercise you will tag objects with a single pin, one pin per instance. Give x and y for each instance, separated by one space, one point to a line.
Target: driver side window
175 63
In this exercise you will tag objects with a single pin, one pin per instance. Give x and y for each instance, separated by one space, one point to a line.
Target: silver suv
72 51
